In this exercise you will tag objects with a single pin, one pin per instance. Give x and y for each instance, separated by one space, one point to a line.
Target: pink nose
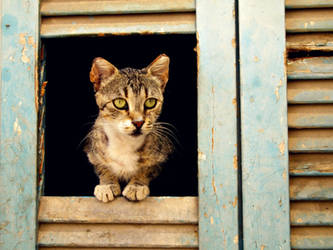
138 124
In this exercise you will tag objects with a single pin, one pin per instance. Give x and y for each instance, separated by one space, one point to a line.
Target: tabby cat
126 143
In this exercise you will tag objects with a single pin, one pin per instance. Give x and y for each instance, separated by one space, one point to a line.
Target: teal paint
264 139
18 132
217 125
311 68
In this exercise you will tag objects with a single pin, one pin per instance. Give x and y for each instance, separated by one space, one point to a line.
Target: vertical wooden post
18 122
264 125
217 126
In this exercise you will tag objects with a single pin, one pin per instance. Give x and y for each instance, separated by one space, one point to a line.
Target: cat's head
130 100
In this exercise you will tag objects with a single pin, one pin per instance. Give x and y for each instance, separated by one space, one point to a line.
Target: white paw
136 192
104 193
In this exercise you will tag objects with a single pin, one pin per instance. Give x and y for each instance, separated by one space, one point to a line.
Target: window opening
71 108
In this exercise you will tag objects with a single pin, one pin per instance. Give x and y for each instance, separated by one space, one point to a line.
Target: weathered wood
310 42
300 4
311 20
311 164
309 213
110 248
19 43
310 91
310 116
311 188
103 7
217 126
108 235
311 140
310 68
312 238
162 210
264 125
118 25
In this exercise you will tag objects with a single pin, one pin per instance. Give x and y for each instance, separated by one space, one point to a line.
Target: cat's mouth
136 133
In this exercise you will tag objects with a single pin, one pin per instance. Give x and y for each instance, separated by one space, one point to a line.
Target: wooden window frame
221 163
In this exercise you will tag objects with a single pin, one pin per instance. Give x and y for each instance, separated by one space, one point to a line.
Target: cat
126 142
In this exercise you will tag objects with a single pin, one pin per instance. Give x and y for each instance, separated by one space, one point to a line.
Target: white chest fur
122 152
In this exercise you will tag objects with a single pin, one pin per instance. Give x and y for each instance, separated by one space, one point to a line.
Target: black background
71 108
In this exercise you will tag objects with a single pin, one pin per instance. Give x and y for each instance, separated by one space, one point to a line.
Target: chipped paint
299 220
201 156
282 148
256 59
284 175
277 94
22 41
213 185
235 162
262 247
17 128
211 220
234 204
236 239
233 42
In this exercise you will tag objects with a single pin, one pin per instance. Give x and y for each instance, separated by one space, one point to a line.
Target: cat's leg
138 187
108 187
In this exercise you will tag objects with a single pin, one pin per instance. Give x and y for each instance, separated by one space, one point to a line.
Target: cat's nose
138 124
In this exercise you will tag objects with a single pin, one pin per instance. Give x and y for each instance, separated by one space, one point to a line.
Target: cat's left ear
159 68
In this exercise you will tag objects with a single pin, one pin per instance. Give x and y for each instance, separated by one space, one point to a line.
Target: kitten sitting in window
126 142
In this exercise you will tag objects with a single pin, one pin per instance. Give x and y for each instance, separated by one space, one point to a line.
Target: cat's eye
120 103
150 103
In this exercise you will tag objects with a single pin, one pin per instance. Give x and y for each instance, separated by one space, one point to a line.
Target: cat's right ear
101 69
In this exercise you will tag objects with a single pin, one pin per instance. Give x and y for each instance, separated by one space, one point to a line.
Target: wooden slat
311 20
264 134
309 213
311 188
300 4
217 158
102 7
163 210
310 68
310 42
108 235
311 164
310 91
312 238
183 23
310 116
311 140
110 248
19 43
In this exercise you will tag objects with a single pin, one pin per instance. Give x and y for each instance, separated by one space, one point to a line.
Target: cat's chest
123 156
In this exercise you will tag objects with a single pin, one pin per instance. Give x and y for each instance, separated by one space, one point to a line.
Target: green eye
120 103
150 103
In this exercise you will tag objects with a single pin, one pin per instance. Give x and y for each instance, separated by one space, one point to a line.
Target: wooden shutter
19 42
310 86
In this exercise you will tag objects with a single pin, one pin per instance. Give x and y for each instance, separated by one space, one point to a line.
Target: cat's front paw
107 192
136 192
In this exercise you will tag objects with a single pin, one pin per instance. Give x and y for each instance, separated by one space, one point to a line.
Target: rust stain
282 148
224 206
234 204
206 215
233 42
212 139
262 247
213 184
100 34
256 59
198 53
36 87
261 130
235 162
284 175
42 90
299 220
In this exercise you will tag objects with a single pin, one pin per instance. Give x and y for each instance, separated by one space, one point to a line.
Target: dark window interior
71 108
